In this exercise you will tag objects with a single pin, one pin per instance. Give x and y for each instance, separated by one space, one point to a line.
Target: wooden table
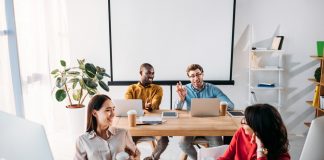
185 125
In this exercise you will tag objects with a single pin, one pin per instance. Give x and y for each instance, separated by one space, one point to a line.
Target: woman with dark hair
102 140
262 136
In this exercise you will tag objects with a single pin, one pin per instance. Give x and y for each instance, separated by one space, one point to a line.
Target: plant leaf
63 63
67 69
57 75
107 75
100 77
77 95
90 70
81 61
60 81
104 86
73 80
90 83
74 73
91 91
60 95
54 71
81 82
74 84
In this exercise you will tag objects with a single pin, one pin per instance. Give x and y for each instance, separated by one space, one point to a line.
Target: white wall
300 21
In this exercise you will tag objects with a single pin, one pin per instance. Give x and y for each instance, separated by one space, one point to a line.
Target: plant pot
76 119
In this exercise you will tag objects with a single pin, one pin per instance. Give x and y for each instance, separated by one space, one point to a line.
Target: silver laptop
22 139
124 105
204 107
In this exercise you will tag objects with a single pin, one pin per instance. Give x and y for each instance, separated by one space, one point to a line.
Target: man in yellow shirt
151 95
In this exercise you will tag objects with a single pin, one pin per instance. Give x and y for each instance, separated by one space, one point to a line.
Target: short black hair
146 66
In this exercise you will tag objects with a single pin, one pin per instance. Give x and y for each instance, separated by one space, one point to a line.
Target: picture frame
277 42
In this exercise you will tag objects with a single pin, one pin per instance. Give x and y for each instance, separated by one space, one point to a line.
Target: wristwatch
263 150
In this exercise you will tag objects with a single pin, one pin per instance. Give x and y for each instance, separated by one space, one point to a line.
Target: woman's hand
257 140
133 155
260 146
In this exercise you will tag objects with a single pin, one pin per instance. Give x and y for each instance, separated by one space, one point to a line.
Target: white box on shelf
322 102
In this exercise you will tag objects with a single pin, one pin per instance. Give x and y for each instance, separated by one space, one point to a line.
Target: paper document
151 119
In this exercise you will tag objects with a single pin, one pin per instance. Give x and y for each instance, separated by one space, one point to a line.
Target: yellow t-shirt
152 93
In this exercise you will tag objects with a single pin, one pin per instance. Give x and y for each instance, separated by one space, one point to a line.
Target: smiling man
151 95
198 89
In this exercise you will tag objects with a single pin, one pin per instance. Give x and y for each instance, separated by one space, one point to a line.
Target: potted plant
78 82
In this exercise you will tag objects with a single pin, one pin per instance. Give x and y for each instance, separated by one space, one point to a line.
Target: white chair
199 141
22 139
314 144
211 153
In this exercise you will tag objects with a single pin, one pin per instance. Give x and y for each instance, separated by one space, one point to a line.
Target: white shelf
267 51
266 88
267 69
275 104
261 63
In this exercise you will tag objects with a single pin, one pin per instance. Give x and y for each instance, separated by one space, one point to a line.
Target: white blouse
93 147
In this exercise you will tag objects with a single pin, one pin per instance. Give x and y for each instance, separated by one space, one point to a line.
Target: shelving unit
262 64
318 110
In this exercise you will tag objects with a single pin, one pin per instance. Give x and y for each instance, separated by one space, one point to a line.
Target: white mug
122 156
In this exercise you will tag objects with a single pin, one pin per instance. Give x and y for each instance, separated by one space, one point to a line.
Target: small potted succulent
78 82
317 74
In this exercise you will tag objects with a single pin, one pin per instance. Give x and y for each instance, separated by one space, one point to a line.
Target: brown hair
267 124
95 103
193 67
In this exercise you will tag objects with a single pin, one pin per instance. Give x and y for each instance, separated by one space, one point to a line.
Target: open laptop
124 105
22 139
204 107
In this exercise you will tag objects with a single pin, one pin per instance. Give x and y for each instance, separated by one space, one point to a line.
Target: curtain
42 41
6 94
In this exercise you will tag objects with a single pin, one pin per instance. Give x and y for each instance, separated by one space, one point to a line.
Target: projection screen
170 35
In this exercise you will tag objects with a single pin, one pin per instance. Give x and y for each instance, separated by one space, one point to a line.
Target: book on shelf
268 85
316 97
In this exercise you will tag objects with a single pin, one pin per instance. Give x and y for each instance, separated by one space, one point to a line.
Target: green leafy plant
78 82
317 74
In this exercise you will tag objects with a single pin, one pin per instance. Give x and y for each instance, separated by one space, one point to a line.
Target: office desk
185 125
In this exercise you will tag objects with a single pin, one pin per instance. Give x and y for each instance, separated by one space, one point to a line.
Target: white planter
76 121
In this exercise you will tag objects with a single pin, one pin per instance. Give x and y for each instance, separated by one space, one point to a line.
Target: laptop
204 107
124 105
22 139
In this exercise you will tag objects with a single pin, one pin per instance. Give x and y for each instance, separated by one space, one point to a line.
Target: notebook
124 105
204 107
22 139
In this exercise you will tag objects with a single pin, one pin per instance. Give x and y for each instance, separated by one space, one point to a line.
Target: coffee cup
132 118
122 156
223 108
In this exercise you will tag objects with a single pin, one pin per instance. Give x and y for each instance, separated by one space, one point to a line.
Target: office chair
314 143
151 140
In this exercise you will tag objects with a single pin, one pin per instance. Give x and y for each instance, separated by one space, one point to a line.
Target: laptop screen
204 107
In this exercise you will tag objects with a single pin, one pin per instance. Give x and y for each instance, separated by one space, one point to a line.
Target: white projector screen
170 35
